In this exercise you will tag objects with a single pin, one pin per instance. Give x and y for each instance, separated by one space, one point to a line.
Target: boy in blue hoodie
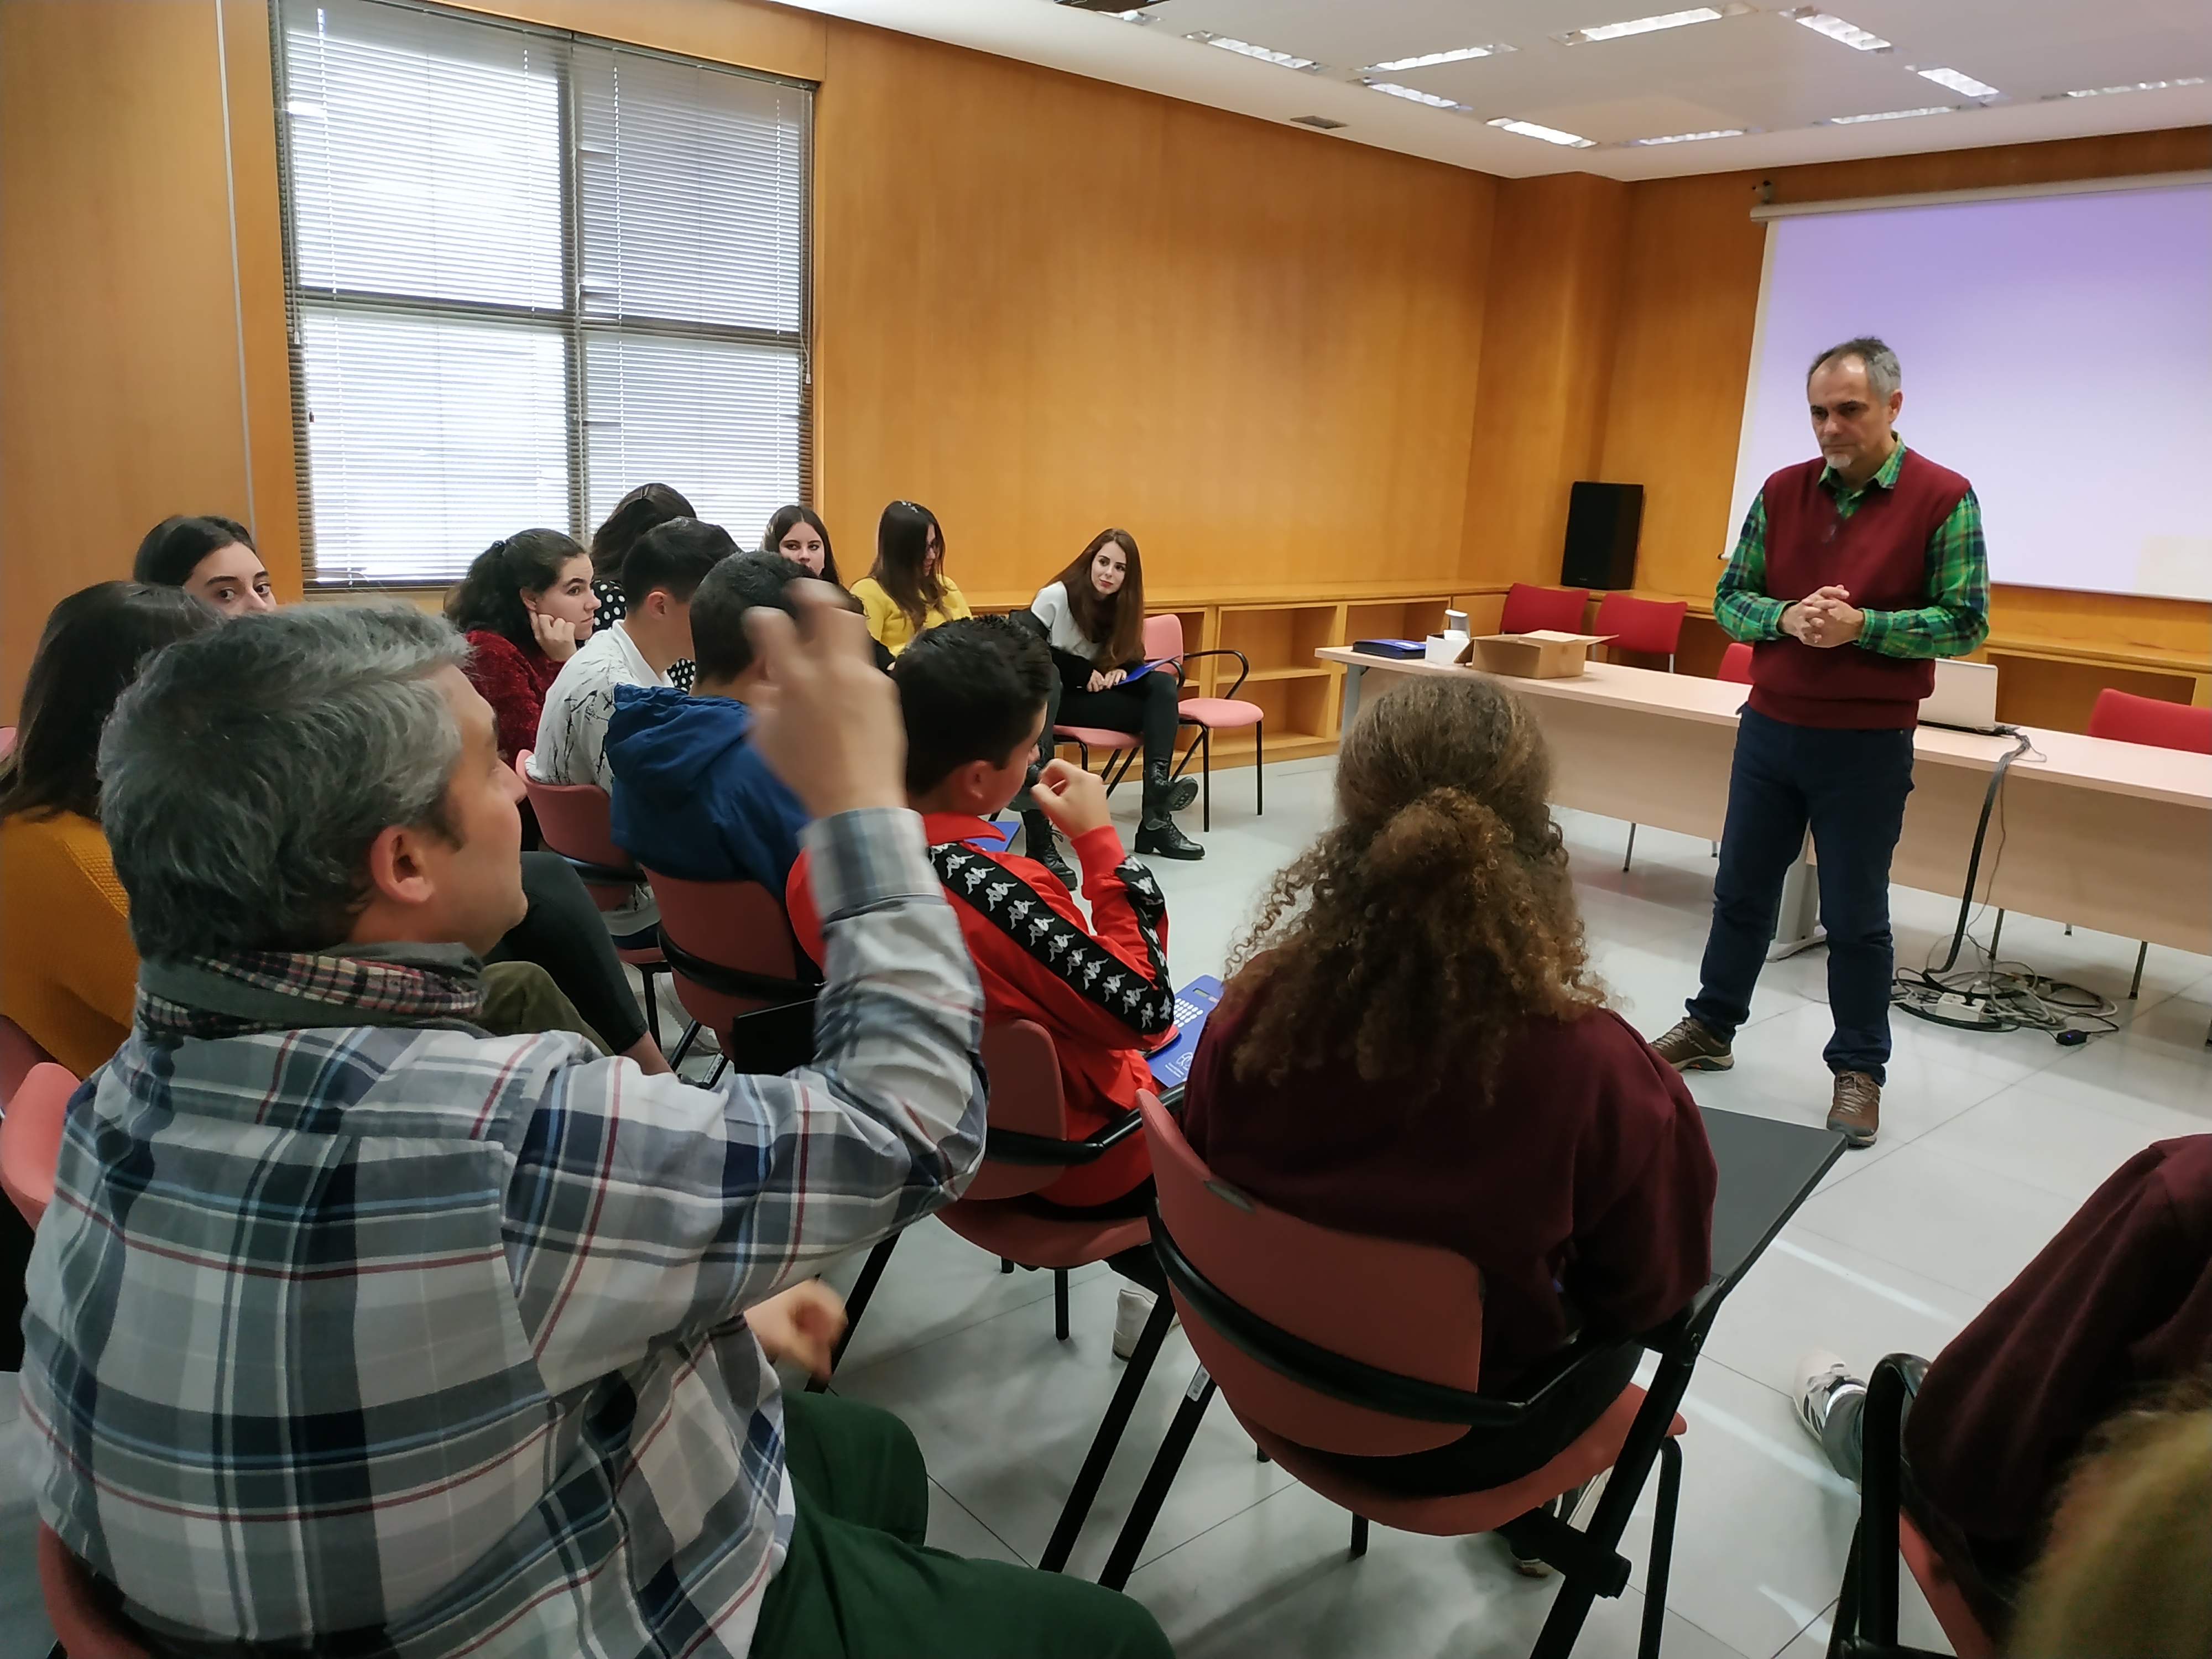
692 798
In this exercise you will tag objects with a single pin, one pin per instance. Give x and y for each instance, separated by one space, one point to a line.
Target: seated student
78 983
68 972
907 591
526 605
693 796
972 694
797 533
1093 614
462 1382
2117 1305
645 508
210 557
1414 1049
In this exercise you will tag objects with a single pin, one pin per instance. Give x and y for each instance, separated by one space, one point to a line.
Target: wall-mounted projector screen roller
2058 350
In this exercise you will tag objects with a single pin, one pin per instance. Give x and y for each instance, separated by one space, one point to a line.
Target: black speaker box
1603 521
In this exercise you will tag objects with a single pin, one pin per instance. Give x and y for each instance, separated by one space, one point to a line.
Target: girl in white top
1093 614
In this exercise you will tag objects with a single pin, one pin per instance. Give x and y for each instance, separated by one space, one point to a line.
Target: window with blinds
525 272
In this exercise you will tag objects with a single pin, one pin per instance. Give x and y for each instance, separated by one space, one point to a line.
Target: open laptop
1965 697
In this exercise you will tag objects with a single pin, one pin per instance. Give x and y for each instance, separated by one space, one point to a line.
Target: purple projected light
2056 349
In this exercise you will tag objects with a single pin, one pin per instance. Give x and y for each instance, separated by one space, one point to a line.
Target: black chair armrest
603 875
1244 665
734 981
1043 1152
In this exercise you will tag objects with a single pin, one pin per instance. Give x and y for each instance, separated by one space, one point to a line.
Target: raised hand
1072 799
832 732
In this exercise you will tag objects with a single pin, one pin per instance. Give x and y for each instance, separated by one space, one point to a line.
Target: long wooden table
2116 836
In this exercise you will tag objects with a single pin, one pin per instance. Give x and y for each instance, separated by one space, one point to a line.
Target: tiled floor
1987 1143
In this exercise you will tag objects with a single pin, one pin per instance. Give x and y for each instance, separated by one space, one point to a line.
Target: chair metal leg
652 1011
682 1044
1263 1452
1662 1549
1358 1536
1059 1303
863 1288
1259 769
1996 932
1004 1266
2134 985
1631 853
1206 780
1153 1493
1107 1440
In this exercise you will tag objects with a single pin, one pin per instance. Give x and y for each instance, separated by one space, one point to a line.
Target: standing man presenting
1851 575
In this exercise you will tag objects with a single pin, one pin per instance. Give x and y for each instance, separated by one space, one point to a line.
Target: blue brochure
1171 1065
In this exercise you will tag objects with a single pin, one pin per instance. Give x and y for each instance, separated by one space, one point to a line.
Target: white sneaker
1132 1308
1822 1378
1574 1508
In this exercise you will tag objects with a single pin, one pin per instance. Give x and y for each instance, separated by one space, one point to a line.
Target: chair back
1735 664
77 1608
2126 718
19 1053
1651 625
1412 1309
31 1138
738 927
574 819
7 741
1163 638
1528 608
1023 1072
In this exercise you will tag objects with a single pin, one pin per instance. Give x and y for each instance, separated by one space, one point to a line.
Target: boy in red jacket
972 694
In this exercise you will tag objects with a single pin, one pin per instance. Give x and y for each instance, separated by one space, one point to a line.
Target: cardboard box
1544 654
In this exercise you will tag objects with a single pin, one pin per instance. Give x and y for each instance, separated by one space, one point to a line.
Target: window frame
577 328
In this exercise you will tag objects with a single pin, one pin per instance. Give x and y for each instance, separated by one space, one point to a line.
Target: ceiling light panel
1549 134
2138 86
1415 95
1836 28
1265 54
1888 115
1670 19
1430 59
1686 137
1959 82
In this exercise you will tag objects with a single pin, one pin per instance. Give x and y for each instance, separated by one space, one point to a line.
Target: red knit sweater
514 683
1879 555
1586 1181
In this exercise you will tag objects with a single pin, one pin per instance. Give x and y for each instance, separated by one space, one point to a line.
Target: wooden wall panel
1047 305
1554 310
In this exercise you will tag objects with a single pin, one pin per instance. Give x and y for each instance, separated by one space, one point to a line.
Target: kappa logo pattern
1146 1005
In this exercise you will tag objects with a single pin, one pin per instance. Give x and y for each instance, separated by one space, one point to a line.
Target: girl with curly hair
1413 1047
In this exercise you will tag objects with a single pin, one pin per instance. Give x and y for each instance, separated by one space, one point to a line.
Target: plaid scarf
215 996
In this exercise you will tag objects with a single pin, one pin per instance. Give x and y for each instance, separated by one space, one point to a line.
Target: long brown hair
1115 625
901 568
1435 919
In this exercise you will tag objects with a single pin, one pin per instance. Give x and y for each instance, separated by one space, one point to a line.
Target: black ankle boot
1156 834
1038 843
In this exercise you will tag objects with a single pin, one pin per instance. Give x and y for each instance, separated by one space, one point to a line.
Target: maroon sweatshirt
2119 1304
1586 1173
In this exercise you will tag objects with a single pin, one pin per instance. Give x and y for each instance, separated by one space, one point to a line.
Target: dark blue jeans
1850 787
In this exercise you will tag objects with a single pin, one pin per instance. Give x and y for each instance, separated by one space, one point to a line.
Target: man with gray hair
1853 572
354 1329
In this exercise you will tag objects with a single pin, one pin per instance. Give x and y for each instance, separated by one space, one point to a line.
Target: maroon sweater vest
1879 555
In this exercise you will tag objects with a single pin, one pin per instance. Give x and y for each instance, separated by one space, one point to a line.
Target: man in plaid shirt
354 1330
1854 572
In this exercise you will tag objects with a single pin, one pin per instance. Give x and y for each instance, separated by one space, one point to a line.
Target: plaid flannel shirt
434 1338
1955 619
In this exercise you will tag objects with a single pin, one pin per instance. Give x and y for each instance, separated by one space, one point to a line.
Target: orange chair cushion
1462 1513
1012 1229
1222 713
1097 737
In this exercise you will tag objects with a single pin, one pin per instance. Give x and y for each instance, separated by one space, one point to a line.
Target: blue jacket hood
664 743
692 796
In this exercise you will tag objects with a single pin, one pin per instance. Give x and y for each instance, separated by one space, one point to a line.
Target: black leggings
1148 703
563 934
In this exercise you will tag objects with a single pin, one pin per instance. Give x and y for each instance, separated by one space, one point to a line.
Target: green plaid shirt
1955 619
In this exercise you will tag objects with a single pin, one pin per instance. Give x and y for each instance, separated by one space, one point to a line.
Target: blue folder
1171 1065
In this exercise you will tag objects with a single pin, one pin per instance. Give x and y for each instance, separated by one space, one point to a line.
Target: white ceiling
1755 68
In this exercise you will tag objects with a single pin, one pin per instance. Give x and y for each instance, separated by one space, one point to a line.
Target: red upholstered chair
1735 664
2122 717
574 819
19 1053
1029 1147
31 1138
1324 1342
1651 626
7 741
81 1612
730 952
1866 1612
1528 608
1163 643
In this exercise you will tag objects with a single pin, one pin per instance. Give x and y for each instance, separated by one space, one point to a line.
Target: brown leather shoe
1856 1112
1689 1046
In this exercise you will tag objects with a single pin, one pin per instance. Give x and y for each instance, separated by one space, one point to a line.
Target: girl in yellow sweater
907 591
